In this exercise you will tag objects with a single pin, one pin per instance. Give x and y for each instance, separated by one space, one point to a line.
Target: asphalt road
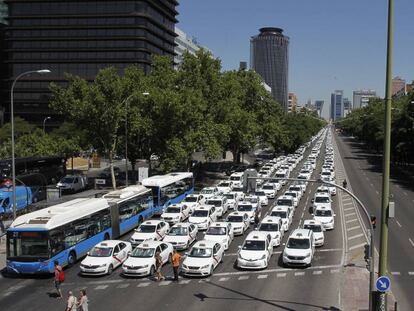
275 288
363 169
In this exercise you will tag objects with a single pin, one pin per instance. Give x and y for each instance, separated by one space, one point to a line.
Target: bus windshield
28 246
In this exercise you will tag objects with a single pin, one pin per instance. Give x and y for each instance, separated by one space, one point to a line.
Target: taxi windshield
216 203
178 231
173 210
216 231
190 199
141 252
254 245
235 219
223 184
269 227
298 243
314 228
200 252
322 200
285 202
229 195
280 214
200 213
207 191
100 252
146 228
267 187
323 213
245 208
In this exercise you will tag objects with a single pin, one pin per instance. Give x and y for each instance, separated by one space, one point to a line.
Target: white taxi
175 213
181 235
326 216
240 222
255 252
221 232
142 262
209 192
104 257
273 226
224 186
150 230
299 248
269 189
263 199
232 200
203 216
221 204
317 229
193 201
203 258
285 214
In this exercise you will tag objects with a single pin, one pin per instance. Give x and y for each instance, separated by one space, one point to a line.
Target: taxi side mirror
116 254
239 247
88 253
129 253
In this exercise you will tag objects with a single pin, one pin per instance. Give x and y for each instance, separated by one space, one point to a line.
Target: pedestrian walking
158 266
83 301
373 221
58 278
344 183
256 218
72 302
176 258
2 224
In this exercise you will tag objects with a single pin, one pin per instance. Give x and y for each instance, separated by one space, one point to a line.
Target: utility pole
381 301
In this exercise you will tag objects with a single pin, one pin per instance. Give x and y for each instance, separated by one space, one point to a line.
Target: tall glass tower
269 57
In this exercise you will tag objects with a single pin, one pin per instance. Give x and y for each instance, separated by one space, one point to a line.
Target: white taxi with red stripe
203 216
104 257
150 230
203 258
181 235
221 232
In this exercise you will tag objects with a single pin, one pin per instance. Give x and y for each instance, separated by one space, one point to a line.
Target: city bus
169 189
67 231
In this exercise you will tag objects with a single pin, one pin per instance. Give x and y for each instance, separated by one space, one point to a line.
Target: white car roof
204 207
236 214
270 219
205 244
285 197
223 224
109 243
152 222
150 244
280 208
257 235
301 234
181 225
322 194
312 222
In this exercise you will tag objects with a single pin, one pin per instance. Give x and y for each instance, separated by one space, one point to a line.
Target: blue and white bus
67 231
169 189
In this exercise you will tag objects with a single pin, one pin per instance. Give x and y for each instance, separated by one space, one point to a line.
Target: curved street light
44 123
41 71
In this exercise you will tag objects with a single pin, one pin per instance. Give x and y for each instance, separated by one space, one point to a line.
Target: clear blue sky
334 44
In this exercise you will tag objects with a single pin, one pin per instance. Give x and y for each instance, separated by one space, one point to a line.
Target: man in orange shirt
176 258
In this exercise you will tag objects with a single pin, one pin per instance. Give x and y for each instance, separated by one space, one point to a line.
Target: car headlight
205 267
181 243
263 257
308 255
102 266
145 266
224 241
184 266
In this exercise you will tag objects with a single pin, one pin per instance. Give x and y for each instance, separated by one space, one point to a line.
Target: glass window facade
81 37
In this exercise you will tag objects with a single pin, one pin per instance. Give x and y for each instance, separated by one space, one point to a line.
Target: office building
409 87
337 105
347 107
398 86
3 68
292 102
185 43
3 12
243 66
361 98
270 59
319 106
80 38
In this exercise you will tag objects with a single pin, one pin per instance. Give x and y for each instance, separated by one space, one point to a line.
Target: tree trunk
111 165
235 153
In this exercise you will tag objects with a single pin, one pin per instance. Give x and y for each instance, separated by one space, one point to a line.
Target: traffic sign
383 284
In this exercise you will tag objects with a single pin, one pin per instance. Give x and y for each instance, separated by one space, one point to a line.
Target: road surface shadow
271 302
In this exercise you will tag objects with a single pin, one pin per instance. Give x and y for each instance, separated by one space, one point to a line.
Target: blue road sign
383 284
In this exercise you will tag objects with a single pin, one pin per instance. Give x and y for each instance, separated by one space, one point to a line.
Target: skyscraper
361 97
337 105
270 59
347 107
185 43
80 38
319 106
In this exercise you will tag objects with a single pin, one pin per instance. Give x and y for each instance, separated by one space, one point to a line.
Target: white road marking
184 281
346 198
398 223
366 177
224 279
355 236
411 241
395 273
262 276
280 275
411 273
406 193
204 280
352 220
100 287
348 208
353 228
235 254
329 250
350 214
377 191
299 273
105 282
335 271
143 284
243 277
165 283
357 246
125 285
317 272
372 185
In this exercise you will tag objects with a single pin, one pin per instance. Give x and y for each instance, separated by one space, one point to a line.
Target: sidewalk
2 252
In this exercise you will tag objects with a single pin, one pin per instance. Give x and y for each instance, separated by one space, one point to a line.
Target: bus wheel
71 259
106 236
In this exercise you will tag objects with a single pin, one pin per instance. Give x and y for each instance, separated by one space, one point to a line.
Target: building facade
184 43
80 38
319 106
3 12
361 98
292 102
337 105
269 57
347 107
398 86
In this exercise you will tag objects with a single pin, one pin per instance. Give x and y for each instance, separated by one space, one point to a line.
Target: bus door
116 231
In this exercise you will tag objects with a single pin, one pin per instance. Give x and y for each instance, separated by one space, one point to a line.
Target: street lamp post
371 228
12 131
44 123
